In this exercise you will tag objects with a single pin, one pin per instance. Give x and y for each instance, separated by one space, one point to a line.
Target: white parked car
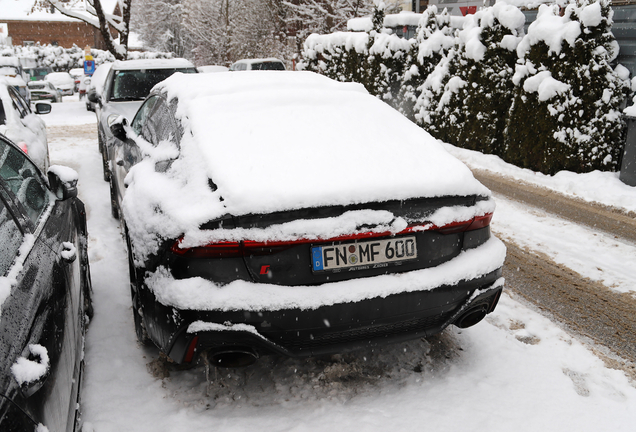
44 90
96 84
258 64
212 68
77 74
63 81
22 126
11 68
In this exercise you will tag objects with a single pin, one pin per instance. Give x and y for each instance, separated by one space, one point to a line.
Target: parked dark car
283 212
124 89
45 295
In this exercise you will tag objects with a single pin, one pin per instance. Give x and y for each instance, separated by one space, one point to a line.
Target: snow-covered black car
44 294
283 212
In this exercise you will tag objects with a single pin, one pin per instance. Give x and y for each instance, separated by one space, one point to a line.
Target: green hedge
488 87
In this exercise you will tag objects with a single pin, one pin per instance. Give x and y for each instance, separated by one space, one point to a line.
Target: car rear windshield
268 66
130 85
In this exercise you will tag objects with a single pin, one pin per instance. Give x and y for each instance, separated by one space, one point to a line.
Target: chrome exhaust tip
231 357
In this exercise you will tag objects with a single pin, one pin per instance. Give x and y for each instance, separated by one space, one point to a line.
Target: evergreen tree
433 40
566 110
466 98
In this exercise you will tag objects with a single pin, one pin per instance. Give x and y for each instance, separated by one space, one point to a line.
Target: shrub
566 109
434 39
465 100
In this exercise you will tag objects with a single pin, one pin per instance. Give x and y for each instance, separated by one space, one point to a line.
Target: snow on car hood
275 141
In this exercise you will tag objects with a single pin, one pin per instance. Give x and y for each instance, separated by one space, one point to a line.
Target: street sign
89 67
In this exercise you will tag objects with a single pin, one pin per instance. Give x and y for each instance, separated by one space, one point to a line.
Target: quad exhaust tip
472 316
231 357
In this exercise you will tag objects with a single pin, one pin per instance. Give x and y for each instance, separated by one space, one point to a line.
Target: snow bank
596 186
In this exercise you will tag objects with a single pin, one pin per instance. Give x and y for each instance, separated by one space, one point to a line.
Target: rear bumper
326 330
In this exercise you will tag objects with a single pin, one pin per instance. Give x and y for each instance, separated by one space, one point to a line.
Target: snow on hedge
486 86
64 59
566 111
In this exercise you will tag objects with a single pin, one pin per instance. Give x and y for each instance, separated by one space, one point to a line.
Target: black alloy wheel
140 328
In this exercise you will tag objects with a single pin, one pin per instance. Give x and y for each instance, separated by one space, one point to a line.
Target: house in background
19 25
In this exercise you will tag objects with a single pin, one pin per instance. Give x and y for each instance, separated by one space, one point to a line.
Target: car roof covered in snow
152 64
258 60
275 141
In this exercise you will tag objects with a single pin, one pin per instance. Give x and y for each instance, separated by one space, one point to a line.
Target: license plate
364 254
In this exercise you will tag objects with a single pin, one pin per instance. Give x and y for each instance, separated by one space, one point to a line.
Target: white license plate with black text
364 254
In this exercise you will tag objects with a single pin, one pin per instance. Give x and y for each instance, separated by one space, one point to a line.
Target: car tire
102 151
140 327
114 207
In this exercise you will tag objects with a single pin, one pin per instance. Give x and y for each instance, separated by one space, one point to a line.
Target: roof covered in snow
152 64
275 141
13 10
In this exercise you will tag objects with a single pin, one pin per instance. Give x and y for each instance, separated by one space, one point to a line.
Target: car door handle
68 253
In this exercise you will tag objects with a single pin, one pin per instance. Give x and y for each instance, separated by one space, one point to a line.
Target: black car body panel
326 330
49 300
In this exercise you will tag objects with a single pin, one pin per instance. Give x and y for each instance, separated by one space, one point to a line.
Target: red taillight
23 147
191 350
469 225
248 247
212 250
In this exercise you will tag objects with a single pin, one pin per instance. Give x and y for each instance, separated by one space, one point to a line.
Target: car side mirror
63 182
42 108
117 128
92 96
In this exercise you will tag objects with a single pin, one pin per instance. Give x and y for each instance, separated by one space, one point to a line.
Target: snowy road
515 371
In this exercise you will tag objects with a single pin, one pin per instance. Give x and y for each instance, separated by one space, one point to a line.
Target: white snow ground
515 371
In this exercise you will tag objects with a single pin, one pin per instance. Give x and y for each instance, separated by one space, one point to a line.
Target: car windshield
132 85
38 73
268 66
